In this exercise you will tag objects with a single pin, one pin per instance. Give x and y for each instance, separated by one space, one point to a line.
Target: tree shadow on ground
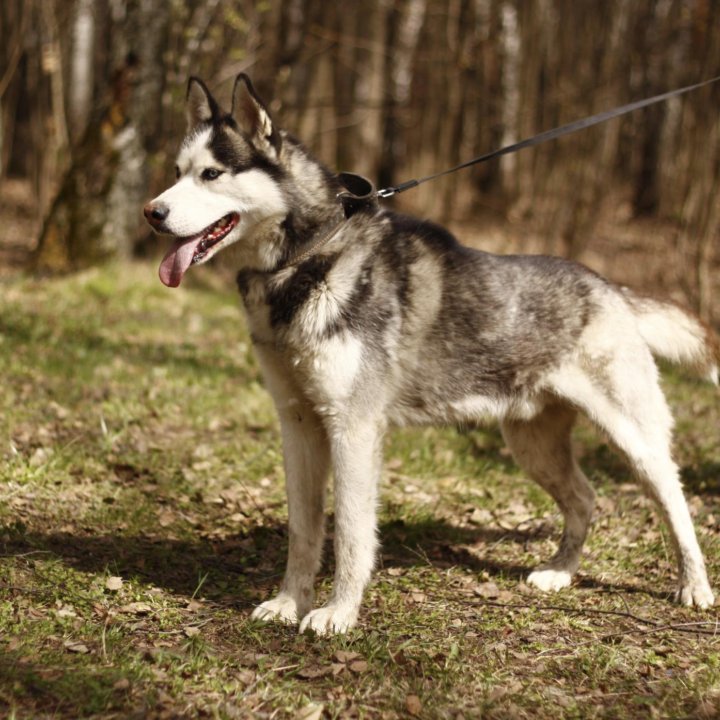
603 459
599 459
702 478
237 571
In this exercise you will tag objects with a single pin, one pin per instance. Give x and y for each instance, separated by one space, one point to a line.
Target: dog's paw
282 607
696 594
330 619
550 580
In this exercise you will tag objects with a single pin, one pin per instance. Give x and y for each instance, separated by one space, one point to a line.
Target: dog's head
227 172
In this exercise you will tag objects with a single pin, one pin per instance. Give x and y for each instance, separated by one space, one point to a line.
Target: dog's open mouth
191 250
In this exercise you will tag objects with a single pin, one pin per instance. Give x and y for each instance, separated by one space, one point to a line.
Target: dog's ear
200 106
252 116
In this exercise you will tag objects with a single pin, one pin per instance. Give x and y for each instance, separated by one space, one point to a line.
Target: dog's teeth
212 235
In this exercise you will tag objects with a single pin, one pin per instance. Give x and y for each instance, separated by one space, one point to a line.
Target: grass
142 517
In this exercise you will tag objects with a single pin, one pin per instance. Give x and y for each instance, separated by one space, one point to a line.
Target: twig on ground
655 626
679 627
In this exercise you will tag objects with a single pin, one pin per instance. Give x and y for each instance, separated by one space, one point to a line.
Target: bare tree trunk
51 126
96 215
368 90
510 90
701 210
14 18
388 138
81 73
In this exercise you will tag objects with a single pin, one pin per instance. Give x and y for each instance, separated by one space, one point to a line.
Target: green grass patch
142 517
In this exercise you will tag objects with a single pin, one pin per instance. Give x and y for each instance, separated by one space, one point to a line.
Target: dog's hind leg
629 405
543 449
307 459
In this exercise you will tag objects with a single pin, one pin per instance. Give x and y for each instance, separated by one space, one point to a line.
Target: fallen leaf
246 677
76 647
152 655
345 656
40 456
313 711
159 674
166 518
136 608
500 691
252 659
480 516
61 413
66 611
113 583
121 684
191 631
399 658
413 704
311 672
555 695
358 666
487 590
163 698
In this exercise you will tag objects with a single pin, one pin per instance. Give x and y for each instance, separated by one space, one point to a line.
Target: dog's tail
676 335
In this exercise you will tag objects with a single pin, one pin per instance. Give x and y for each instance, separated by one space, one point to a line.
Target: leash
548 135
323 236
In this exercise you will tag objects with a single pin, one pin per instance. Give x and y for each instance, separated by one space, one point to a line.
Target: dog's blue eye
210 174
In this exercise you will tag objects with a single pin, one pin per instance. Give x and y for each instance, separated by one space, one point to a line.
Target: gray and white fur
392 322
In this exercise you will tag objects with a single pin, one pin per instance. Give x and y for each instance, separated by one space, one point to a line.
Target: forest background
142 507
91 114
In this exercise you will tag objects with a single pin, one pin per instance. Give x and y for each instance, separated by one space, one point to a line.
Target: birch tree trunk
81 75
96 215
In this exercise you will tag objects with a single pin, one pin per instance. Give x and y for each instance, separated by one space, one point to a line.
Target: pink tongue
177 260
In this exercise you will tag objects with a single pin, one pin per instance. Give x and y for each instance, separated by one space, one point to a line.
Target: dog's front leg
357 460
306 455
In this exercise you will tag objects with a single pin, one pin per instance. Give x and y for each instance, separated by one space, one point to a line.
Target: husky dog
363 318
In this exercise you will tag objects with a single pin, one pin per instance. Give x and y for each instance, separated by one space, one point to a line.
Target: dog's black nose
156 214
